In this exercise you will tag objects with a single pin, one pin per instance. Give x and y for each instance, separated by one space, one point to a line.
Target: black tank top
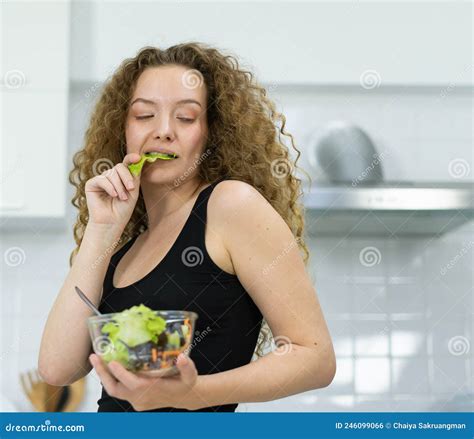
187 279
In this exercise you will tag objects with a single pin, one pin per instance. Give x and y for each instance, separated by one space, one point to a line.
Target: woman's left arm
268 263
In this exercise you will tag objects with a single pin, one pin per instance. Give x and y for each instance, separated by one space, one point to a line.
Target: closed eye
184 119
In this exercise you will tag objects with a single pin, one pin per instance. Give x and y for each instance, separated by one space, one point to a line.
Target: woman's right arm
66 343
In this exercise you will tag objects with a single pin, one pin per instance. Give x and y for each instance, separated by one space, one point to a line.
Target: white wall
292 42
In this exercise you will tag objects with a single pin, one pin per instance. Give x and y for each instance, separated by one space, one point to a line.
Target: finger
126 176
130 380
113 176
101 184
187 368
133 157
109 382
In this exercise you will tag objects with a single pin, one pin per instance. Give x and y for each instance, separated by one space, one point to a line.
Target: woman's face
167 113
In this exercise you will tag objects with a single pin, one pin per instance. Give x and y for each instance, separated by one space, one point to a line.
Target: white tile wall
401 329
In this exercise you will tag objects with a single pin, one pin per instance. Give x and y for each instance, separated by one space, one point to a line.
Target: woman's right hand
106 193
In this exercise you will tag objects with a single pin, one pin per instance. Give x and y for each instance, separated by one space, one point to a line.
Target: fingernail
130 185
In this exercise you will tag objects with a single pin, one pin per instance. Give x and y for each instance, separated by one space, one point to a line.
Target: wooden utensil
35 389
48 398
76 395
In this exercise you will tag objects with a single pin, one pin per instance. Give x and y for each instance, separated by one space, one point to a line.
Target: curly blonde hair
244 140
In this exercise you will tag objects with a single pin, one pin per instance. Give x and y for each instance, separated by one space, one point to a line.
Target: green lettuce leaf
136 168
117 351
174 339
133 326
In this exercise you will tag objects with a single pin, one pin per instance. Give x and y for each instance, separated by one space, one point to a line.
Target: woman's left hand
145 393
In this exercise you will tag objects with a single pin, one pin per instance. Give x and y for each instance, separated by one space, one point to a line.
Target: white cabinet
320 43
34 153
35 39
33 113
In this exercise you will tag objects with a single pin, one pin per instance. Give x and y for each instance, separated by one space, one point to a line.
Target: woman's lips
161 151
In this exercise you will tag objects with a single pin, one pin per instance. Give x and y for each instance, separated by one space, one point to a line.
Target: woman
217 231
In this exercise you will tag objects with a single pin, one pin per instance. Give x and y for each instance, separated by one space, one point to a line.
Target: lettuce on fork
131 327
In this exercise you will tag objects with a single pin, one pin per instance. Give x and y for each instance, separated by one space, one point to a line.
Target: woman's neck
163 201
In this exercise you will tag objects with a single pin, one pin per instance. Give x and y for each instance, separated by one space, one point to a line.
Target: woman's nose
163 128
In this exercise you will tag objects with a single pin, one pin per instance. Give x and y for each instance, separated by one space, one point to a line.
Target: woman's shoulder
232 192
236 199
247 224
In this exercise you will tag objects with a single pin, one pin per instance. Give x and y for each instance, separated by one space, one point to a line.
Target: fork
44 397
35 389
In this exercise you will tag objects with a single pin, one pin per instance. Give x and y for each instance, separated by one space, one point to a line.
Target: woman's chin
160 175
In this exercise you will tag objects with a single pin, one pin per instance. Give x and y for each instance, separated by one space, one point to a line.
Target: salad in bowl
144 341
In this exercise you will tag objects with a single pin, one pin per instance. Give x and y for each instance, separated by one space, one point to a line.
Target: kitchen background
394 279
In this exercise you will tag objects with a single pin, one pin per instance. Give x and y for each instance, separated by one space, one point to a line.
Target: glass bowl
119 337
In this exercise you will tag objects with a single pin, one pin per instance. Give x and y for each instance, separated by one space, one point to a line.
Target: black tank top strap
200 208
196 226
114 260
192 234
